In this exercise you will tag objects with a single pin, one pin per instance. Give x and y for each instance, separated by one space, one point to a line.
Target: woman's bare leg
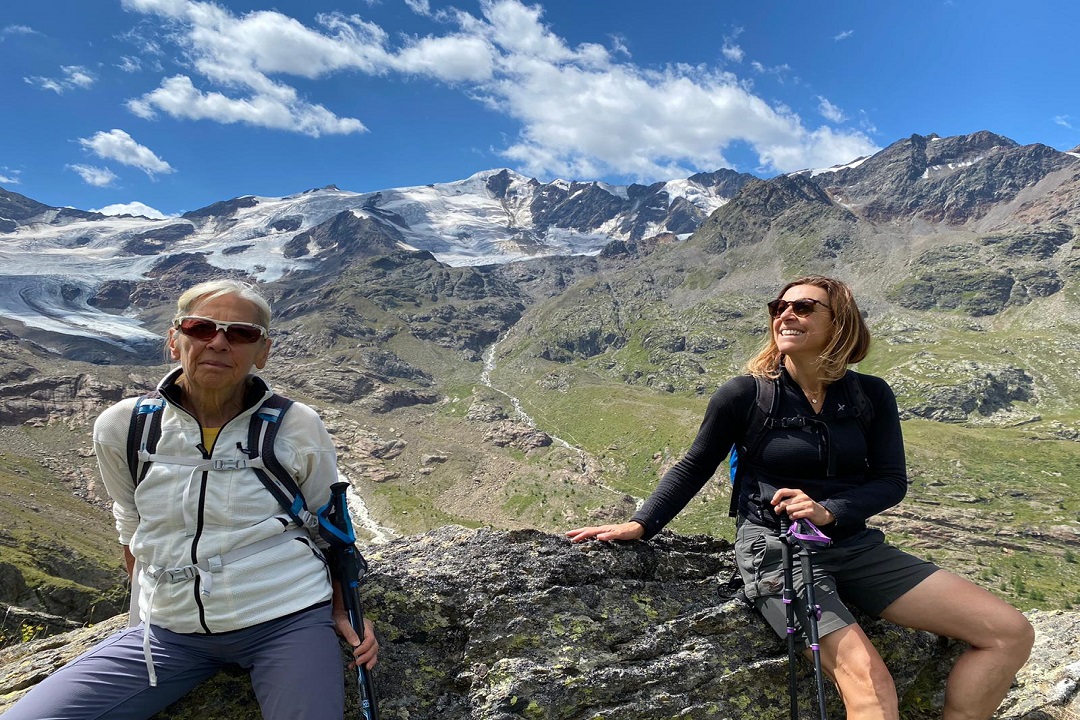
864 683
999 635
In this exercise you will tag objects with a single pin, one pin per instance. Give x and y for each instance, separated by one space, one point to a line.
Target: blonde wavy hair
850 339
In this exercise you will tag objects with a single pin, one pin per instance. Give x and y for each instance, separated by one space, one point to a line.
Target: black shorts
862 571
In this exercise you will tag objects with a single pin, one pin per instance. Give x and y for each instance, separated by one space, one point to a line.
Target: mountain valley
540 363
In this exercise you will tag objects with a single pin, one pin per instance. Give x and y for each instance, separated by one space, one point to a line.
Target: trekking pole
813 610
789 607
348 568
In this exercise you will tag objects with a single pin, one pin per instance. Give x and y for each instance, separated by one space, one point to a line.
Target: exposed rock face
158 240
789 204
16 210
591 206
485 625
224 208
949 180
344 233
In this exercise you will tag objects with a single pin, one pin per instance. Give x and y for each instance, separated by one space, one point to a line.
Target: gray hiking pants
295 663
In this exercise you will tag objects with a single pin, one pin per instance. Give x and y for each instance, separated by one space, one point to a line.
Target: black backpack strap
761 418
861 405
144 431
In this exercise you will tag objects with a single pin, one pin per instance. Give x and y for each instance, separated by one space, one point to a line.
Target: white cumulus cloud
583 110
586 114
96 176
9 30
119 146
178 97
240 55
829 111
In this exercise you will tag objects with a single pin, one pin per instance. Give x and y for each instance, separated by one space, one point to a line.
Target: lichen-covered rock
486 625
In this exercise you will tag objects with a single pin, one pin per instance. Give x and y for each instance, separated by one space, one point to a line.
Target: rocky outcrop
784 205
342 236
42 399
19 625
485 625
959 391
224 208
17 210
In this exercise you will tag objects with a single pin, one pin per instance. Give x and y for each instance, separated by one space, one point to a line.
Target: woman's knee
1014 633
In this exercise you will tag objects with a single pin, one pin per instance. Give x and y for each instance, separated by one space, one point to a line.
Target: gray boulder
506 625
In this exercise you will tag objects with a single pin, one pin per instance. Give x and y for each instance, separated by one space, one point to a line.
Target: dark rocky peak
16 210
498 183
792 203
775 196
20 208
905 161
67 213
953 179
636 192
584 206
344 236
964 148
157 240
683 216
224 208
725 182
309 191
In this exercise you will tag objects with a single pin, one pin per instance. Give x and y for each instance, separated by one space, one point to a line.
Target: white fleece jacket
177 517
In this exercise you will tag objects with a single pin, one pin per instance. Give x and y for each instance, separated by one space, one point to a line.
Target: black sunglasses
803 307
205 329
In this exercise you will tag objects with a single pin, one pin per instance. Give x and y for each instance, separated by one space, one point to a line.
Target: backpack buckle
230 464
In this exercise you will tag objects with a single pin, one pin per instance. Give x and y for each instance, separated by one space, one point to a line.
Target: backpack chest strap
206 568
205 571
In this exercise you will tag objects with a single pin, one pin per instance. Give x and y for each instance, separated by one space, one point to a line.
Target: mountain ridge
447 385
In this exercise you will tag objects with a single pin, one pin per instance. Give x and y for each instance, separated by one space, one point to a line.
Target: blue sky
176 104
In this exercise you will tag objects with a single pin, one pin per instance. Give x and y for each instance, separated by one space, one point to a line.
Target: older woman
837 476
268 605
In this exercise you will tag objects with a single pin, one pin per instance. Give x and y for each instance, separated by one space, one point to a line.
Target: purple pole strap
814 536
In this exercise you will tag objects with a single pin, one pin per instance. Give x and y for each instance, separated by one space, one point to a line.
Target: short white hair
212 289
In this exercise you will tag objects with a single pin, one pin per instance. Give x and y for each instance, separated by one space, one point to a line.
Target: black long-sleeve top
870 473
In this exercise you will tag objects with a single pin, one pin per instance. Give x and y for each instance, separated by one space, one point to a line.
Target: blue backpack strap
144 431
321 526
262 431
